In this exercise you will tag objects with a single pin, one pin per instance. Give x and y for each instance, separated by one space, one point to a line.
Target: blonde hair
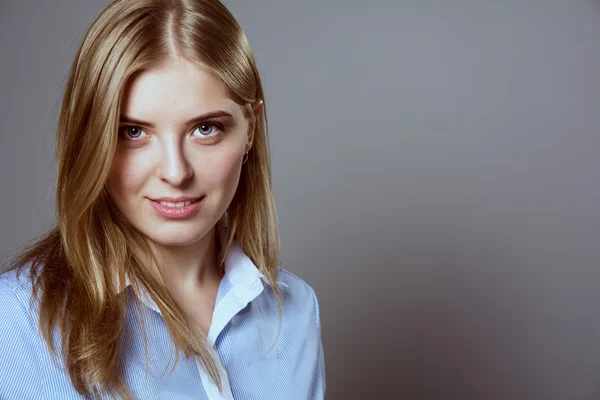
82 263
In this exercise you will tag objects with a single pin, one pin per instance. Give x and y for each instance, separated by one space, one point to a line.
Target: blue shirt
243 329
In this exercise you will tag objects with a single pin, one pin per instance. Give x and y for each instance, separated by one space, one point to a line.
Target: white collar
239 271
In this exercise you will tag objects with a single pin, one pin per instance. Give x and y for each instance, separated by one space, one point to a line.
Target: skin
169 157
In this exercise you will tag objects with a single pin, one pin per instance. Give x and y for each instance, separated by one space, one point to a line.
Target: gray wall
435 168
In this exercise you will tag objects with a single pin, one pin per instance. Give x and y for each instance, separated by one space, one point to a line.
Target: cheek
125 177
224 173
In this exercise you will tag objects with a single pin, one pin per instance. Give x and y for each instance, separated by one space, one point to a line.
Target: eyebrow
213 114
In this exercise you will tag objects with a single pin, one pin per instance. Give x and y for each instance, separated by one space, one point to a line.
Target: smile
176 210
180 204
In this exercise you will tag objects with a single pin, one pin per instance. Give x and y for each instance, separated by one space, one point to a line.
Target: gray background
435 168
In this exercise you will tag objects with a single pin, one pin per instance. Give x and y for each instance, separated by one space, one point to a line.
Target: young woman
160 279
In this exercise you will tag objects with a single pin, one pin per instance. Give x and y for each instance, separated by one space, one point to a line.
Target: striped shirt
243 329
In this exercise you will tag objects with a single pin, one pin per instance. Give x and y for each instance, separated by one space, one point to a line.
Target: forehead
174 90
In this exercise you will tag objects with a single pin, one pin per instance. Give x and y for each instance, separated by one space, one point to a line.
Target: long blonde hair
82 263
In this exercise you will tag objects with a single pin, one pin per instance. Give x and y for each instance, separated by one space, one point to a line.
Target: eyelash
124 127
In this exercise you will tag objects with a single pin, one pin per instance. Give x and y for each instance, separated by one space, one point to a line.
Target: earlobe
257 108
249 142
251 128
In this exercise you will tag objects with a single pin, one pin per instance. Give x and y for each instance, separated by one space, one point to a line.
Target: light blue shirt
243 329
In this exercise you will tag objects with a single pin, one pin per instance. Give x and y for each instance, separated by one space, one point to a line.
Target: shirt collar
239 270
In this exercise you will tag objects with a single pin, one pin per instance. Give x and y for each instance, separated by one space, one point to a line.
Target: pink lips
176 212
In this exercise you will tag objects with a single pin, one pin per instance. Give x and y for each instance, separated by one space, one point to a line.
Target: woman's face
181 137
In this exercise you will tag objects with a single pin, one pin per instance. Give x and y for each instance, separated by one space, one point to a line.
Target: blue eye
132 131
206 129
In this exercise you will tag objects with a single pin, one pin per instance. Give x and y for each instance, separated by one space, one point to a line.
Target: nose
174 167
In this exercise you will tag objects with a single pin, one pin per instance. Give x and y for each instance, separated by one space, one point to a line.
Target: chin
175 237
173 241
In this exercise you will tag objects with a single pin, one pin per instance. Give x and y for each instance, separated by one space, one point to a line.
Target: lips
176 210
176 204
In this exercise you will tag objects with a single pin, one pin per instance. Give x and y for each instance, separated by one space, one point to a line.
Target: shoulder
15 290
301 336
16 308
299 295
19 338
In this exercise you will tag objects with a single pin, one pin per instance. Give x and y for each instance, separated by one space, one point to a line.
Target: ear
256 111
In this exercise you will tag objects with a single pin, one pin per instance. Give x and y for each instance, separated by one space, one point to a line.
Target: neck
189 268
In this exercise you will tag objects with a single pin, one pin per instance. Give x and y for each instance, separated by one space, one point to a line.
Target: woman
166 243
